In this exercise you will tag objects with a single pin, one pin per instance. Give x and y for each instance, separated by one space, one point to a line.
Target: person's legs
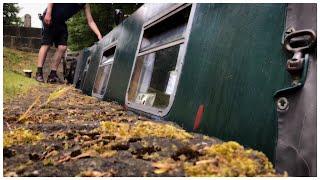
60 41
57 57
41 58
46 42
42 55
53 77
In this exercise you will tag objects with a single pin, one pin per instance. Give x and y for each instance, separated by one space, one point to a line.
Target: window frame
110 46
183 42
85 70
86 67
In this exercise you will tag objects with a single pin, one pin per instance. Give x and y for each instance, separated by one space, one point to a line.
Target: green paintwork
125 52
233 65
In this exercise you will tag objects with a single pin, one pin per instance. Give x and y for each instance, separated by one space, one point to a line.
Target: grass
17 61
14 81
14 84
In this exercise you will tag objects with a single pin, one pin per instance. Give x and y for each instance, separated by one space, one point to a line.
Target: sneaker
39 77
54 79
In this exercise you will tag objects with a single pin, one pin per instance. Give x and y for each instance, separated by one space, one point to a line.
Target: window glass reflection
154 78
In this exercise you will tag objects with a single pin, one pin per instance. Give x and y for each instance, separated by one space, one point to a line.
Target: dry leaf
89 153
64 159
27 113
164 166
92 173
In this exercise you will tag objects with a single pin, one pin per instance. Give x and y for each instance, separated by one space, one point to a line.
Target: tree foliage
81 36
10 11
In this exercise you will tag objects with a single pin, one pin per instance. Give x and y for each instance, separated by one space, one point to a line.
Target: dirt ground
55 130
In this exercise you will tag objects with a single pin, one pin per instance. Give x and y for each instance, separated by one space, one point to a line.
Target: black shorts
55 33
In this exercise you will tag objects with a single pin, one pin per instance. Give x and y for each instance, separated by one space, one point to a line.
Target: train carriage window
155 70
103 73
166 31
85 70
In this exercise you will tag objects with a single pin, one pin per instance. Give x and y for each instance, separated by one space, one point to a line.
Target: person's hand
47 19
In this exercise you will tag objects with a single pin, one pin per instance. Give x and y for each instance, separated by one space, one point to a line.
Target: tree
10 11
80 35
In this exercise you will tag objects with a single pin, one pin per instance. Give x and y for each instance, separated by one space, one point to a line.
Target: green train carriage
221 70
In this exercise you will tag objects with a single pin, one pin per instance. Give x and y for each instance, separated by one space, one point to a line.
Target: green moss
21 136
144 129
230 159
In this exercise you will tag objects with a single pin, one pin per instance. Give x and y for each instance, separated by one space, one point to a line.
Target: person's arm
47 18
91 22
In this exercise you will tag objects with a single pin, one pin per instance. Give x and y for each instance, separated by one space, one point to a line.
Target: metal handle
301 33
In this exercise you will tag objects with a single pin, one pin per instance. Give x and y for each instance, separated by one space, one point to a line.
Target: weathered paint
198 118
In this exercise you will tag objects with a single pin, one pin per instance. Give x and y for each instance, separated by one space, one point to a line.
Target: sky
33 9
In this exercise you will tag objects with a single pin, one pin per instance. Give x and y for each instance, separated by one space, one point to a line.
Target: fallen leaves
10 174
88 153
164 166
108 154
78 154
90 173
63 159
95 173
48 162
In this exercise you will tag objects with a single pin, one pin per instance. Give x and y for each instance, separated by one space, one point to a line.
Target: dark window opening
166 31
104 71
108 54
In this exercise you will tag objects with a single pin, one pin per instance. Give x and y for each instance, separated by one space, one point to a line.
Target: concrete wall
22 38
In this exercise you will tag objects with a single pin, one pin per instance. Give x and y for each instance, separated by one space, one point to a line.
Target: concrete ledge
30 32
22 31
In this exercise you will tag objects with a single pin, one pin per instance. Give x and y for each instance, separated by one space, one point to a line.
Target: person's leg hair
61 49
